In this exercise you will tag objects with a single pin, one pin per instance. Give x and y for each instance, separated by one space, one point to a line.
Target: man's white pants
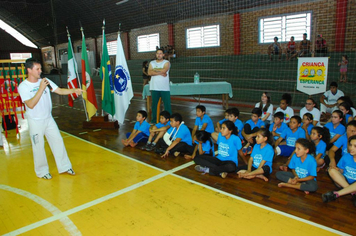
324 109
49 128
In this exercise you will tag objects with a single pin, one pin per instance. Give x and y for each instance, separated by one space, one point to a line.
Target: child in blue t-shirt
320 136
291 135
219 123
336 127
178 140
203 145
260 162
334 155
277 127
303 166
233 115
250 129
202 122
229 146
140 132
345 173
307 124
158 130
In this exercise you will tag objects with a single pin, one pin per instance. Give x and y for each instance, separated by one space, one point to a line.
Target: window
147 43
112 47
17 56
284 26
205 36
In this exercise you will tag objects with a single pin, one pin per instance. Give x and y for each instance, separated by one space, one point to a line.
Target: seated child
266 108
307 124
250 129
260 162
336 127
277 127
219 123
334 156
285 108
203 145
140 131
303 166
291 135
234 117
158 130
344 174
177 138
291 49
320 136
202 122
345 108
333 195
229 145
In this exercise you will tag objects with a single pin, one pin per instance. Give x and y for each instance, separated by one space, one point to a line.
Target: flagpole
76 71
102 46
82 30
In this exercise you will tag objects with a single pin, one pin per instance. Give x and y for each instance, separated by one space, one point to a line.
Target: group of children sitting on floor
308 146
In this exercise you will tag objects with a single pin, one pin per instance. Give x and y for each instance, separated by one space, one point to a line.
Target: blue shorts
141 137
286 150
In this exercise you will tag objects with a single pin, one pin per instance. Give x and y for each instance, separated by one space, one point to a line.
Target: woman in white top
266 107
310 106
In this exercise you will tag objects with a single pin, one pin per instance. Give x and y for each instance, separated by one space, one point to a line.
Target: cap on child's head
257 111
279 115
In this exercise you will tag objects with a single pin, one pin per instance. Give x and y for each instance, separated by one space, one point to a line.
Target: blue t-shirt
222 121
348 164
278 130
259 123
303 169
291 137
206 119
309 128
183 133
228 148
239 125
266 154
347 116
340 129
342 142
321 148
206 147
160 125
144 127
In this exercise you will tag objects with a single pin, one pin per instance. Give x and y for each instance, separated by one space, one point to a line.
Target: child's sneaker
47 176
150 147
201 169
71 171
329 196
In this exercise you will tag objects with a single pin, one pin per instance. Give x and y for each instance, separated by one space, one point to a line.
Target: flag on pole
122 84
87 83
107 95
72 80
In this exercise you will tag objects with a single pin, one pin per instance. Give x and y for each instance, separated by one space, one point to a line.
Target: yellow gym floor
112 194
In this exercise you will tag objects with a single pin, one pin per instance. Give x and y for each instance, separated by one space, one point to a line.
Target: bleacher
249 75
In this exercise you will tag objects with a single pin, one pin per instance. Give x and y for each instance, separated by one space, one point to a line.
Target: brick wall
162 29
350 39
323 11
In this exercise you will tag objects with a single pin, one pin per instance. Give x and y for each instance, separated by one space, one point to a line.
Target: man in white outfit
34 92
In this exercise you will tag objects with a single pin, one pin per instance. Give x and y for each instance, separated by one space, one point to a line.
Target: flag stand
100 122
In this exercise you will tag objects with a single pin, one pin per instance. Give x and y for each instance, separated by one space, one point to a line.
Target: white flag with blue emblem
122 84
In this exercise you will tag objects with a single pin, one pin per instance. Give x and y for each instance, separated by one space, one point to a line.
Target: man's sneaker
71 171
353 196
47 176
150 147
201 169
329 196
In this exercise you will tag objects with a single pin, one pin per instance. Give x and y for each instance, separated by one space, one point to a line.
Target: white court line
147 181
67 223
262 206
